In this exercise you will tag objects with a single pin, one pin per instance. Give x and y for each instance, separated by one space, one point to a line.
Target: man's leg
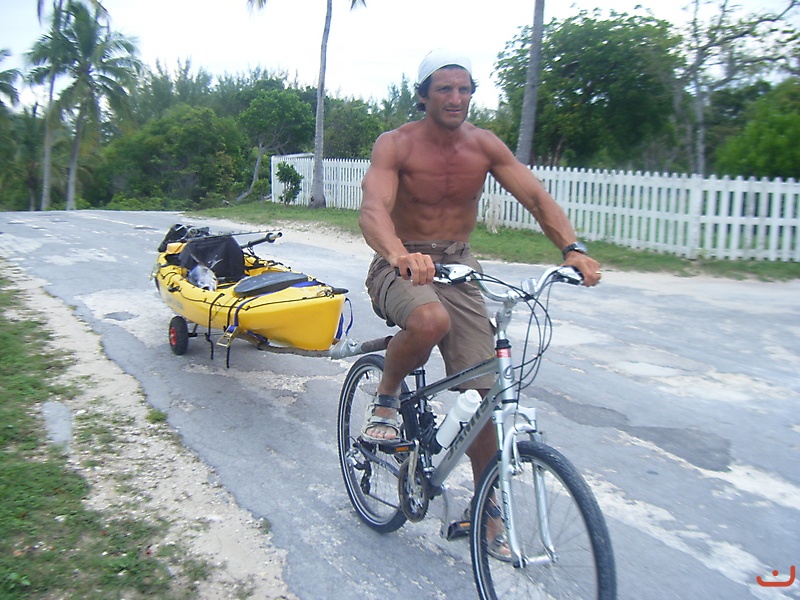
409 350
483 449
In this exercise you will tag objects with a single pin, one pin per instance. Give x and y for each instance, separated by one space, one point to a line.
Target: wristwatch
576 247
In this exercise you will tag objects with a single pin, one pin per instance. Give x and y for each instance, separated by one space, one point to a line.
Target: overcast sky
370 48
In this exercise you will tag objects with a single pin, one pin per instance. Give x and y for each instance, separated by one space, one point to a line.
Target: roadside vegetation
617 91
515 245
52 545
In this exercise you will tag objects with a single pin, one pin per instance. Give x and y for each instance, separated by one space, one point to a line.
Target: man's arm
520 182
379 187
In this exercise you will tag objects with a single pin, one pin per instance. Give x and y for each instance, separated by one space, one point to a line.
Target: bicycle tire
584 567
372 488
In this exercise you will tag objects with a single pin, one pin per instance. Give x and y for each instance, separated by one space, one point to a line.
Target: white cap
436 59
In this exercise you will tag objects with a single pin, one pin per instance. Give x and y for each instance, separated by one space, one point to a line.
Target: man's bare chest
430 178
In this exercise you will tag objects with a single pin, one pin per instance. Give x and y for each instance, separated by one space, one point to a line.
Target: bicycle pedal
458 529
389 446
397 447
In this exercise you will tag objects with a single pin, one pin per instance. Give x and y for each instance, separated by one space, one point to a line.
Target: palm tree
27 155
102 69
48 55
47 58
7 80
527 122
8 96
318 183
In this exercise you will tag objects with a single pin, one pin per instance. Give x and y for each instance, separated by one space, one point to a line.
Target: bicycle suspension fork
507 439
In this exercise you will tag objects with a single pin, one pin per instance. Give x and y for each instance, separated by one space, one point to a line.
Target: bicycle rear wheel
580 561
370 475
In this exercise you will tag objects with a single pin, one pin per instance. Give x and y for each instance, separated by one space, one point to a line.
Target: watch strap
575 247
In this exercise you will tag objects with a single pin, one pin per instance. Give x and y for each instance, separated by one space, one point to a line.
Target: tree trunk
47 162
73 165
256 173
700 126
318 178
527 122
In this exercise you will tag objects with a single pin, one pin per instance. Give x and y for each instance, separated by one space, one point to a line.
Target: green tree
25 161
605 90
351 128
234 93
101 68
724 50
401 105
8 95
277 122
159 90
49 57
727 115
769 145
190 156
318 183
7 80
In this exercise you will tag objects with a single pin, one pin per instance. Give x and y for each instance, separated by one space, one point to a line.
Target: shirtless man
420 205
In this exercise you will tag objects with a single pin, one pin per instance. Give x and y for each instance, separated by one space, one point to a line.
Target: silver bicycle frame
500 404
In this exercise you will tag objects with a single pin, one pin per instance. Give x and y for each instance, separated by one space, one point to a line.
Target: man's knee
430 321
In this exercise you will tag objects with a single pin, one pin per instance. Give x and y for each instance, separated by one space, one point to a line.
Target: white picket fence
685 215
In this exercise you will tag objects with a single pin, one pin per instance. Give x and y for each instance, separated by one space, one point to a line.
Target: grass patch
517 245
156 416
51 544
270 214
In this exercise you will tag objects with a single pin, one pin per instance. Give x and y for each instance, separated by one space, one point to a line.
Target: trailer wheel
178 335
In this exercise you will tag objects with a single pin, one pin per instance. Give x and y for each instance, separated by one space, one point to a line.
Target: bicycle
557 541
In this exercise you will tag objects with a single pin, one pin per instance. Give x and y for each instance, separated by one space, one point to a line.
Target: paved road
679 399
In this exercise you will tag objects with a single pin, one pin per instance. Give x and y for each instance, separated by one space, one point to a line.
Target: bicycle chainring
414 497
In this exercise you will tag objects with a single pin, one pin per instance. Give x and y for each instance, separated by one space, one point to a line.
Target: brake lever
453 274
570 275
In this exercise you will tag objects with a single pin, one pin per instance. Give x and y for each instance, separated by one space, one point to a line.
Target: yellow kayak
210 281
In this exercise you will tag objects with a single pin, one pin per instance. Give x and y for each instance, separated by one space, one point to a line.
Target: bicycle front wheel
559 526
370 475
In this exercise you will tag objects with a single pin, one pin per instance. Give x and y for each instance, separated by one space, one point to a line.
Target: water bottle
466 405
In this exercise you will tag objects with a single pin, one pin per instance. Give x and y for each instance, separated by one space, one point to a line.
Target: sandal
373 420
498 548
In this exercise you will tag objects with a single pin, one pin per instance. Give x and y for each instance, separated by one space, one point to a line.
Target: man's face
449 97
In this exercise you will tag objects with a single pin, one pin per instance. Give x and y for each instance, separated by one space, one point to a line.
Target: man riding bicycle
419 207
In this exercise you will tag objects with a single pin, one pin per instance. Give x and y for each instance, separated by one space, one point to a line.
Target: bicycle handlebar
528 289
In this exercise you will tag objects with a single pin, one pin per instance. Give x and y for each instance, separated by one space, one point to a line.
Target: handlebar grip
442 270
270 237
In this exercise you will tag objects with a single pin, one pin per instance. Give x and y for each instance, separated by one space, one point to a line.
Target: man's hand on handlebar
417 268
589 267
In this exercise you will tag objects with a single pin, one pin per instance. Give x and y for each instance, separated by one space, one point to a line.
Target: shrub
290 179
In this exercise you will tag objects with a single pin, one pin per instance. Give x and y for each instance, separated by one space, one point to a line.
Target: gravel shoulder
148 473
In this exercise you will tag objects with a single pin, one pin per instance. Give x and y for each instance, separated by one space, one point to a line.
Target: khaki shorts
471 336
